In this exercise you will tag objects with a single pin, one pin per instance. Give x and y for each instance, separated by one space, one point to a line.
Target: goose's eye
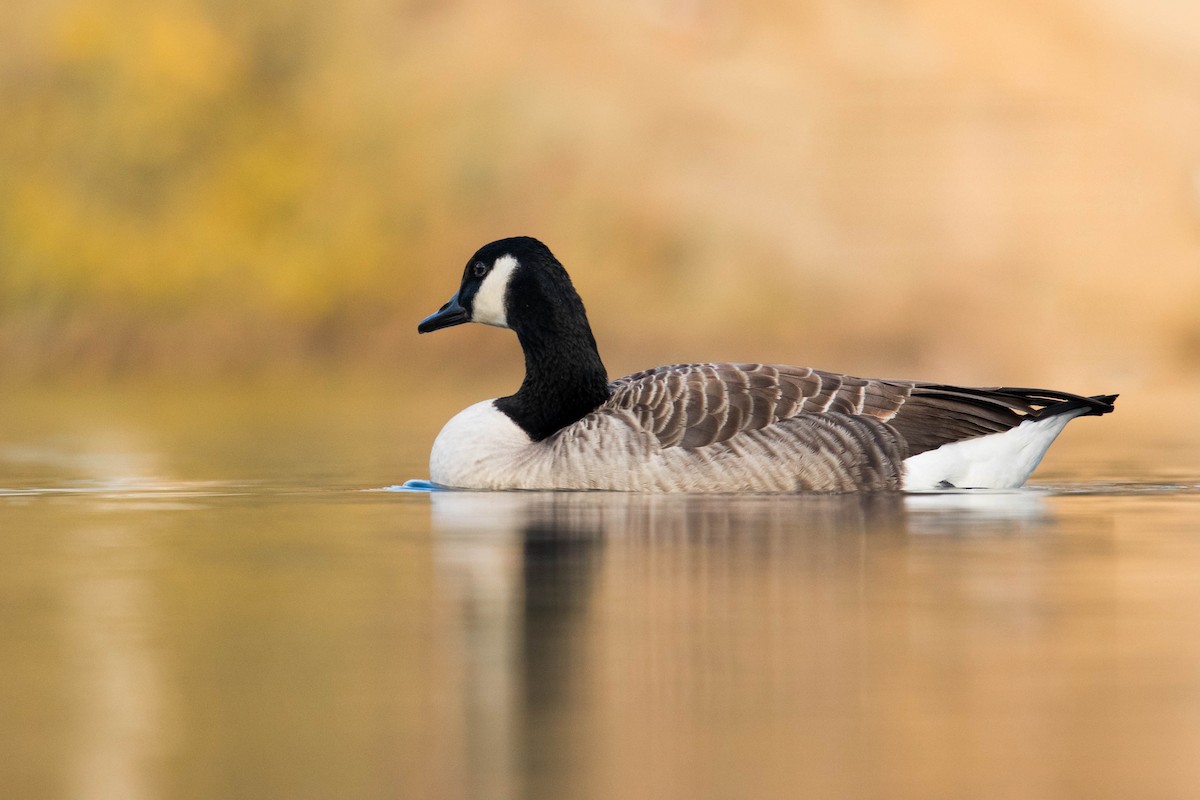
479 270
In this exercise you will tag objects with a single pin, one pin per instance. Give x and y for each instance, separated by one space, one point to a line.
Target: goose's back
694 405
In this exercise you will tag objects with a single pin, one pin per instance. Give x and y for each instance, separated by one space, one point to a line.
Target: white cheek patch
488 305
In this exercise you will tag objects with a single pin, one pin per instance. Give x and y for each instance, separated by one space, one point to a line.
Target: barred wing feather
695 405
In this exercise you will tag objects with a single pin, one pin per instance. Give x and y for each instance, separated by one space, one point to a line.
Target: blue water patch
414 485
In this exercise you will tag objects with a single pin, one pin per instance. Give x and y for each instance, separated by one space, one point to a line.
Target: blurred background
982 193
221 220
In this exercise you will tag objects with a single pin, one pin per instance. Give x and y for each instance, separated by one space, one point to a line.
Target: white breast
482 448
477 449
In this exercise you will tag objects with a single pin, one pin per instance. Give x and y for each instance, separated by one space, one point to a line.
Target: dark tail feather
1036 403
1106 402
937 414
1096 405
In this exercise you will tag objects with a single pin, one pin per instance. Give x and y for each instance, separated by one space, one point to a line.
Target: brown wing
693 405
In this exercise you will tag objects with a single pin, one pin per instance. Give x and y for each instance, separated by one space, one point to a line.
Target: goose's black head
517 283
513 283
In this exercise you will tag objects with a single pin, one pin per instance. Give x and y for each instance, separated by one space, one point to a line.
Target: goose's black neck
564 377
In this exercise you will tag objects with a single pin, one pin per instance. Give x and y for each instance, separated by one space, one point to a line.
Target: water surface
212 595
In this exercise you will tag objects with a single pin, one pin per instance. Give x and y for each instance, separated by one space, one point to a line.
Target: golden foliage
208 181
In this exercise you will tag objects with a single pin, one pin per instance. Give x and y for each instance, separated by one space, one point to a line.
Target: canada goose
714 427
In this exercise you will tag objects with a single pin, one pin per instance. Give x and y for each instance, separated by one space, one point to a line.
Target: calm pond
227 594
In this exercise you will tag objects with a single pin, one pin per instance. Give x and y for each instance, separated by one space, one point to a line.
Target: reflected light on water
119 744
877 645
171 632
535 562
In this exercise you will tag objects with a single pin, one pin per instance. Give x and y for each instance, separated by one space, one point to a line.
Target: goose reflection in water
652 606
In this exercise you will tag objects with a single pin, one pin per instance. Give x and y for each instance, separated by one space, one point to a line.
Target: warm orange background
981 193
